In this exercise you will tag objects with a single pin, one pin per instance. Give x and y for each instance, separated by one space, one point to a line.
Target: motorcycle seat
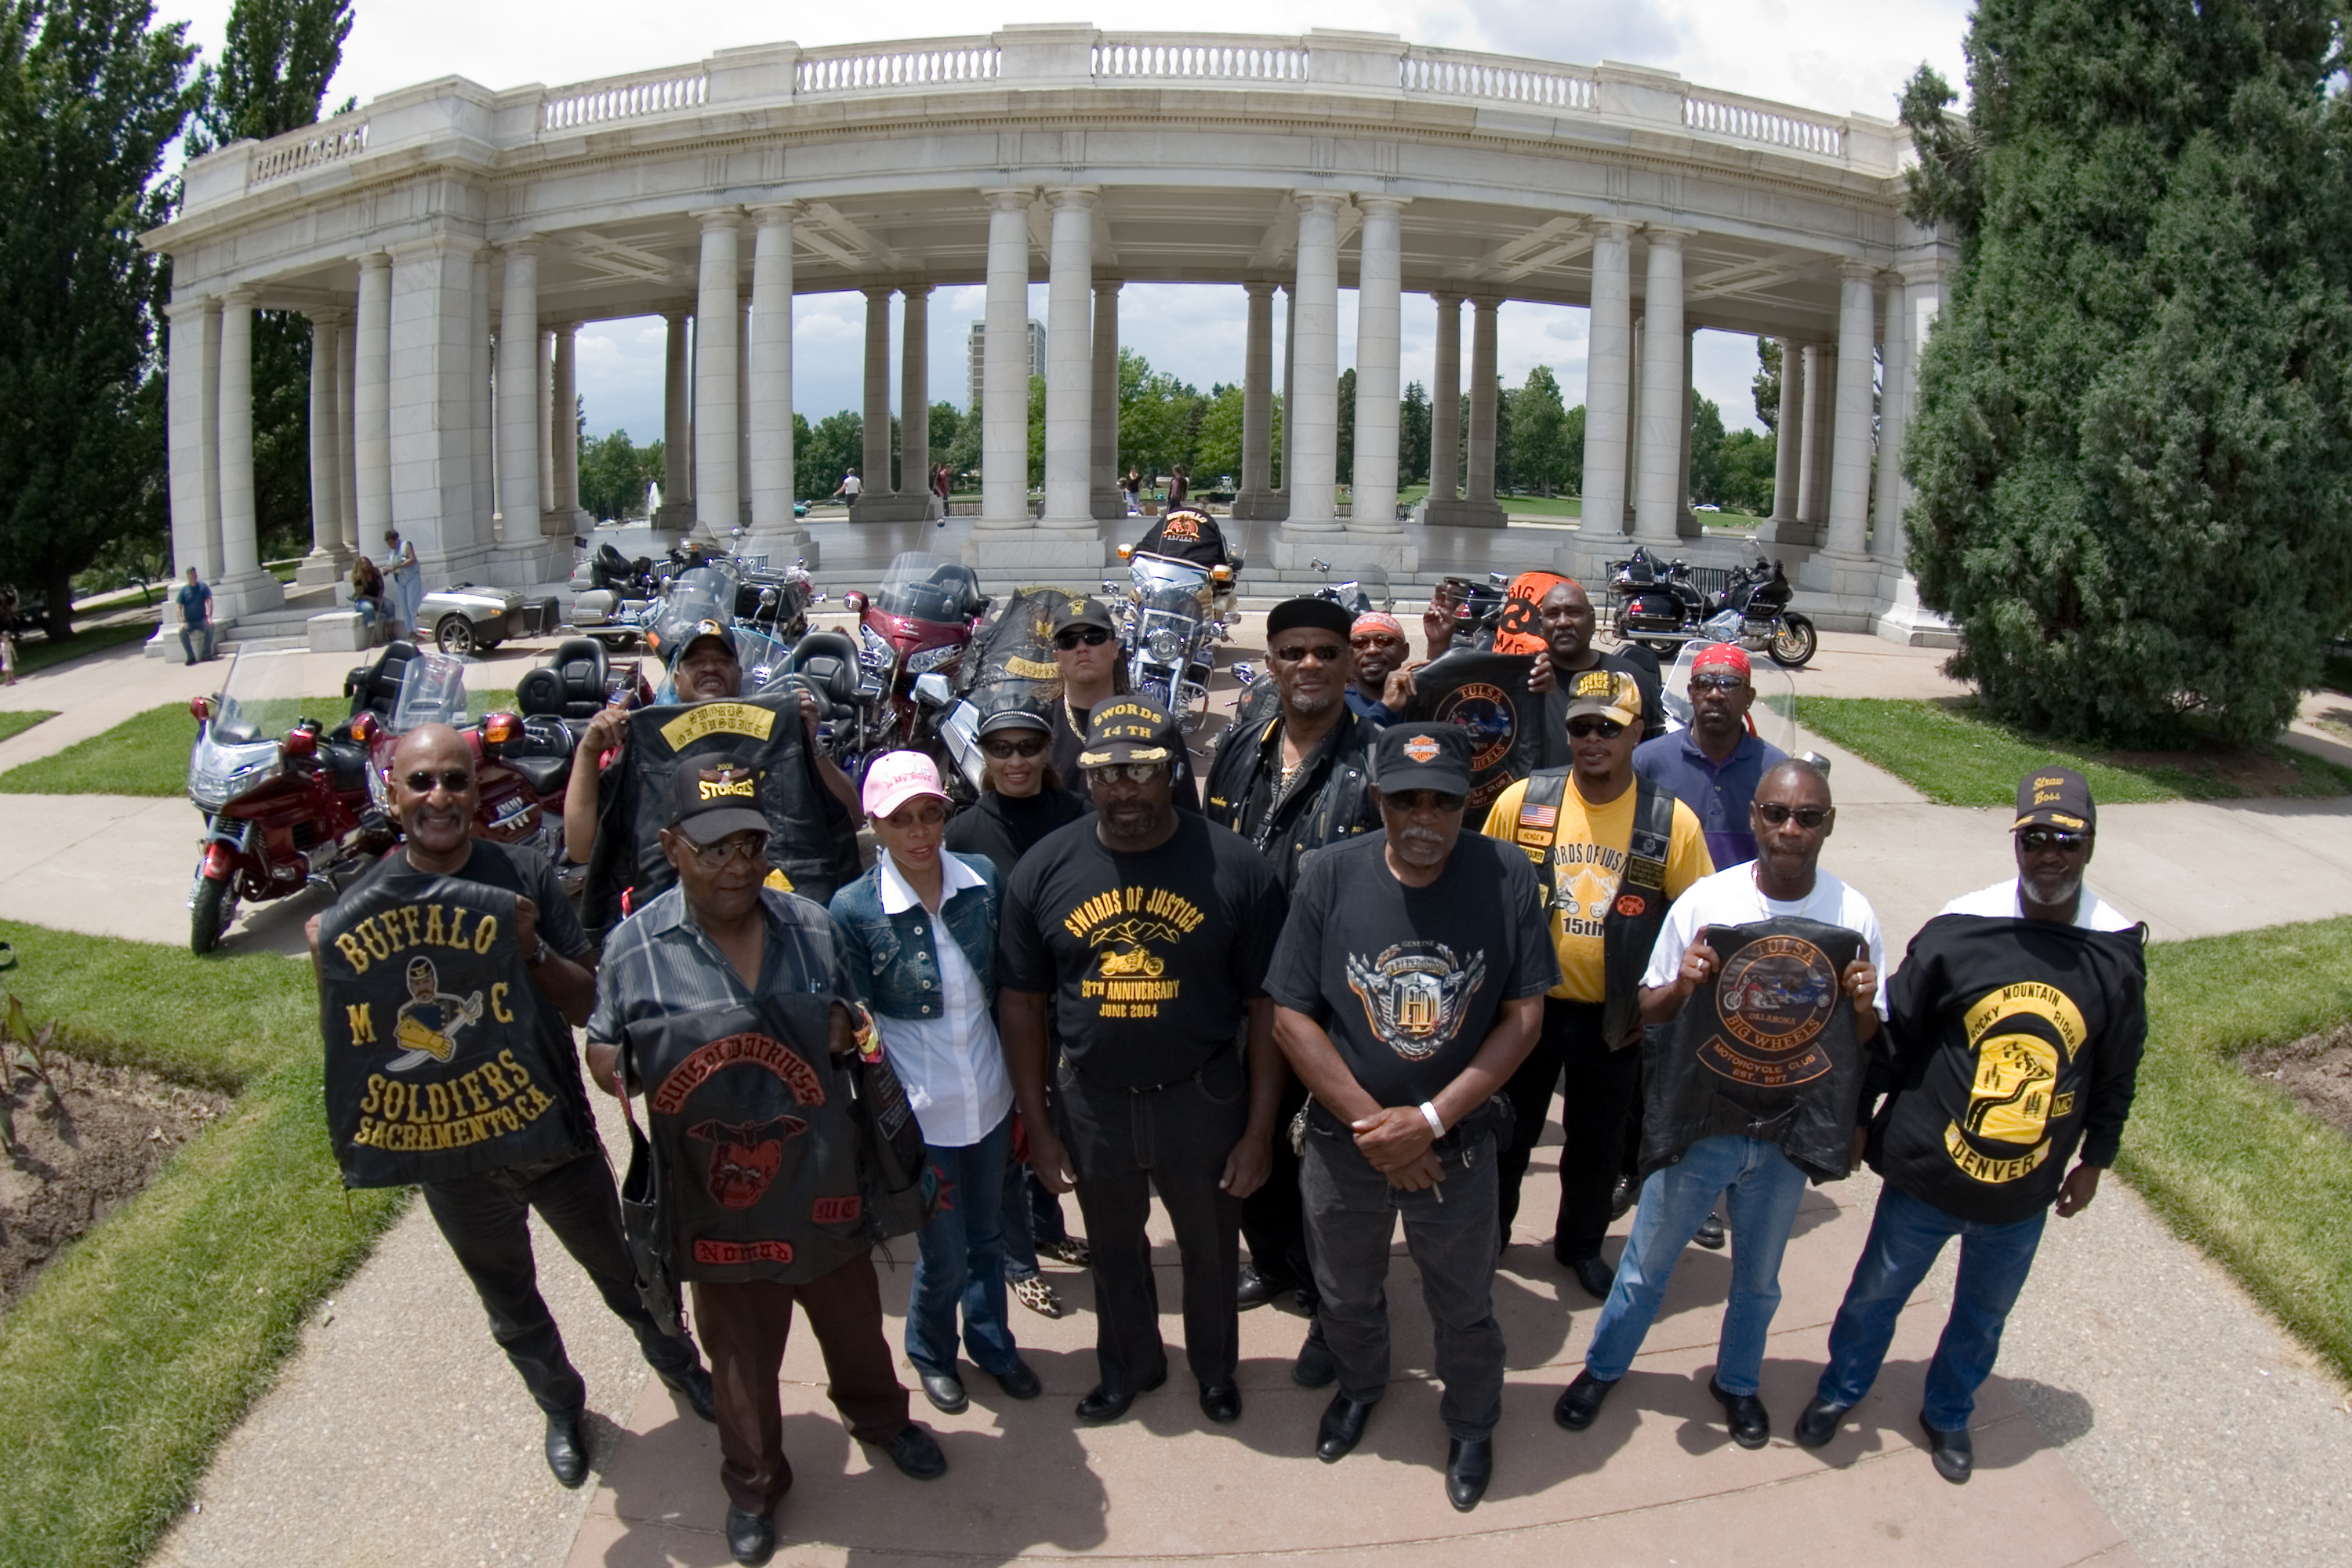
377 687
826 663
571 685
545 775
348 761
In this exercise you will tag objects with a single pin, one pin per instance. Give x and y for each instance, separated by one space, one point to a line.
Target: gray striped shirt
658 961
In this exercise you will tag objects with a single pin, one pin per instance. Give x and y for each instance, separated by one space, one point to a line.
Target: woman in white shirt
920 934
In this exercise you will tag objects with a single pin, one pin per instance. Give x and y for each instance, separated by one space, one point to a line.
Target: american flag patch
1538 817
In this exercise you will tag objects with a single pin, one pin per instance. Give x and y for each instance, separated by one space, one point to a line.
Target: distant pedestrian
1180 485
196 602
407 580
850 487
1133 485
368 594
7 655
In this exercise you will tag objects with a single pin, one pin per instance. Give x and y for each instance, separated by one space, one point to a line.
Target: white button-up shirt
952 1066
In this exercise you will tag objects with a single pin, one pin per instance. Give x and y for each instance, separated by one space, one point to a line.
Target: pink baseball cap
897 777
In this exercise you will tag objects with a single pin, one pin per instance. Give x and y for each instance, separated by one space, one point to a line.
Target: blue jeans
192 633
960 1259
1675 1201
1905 1235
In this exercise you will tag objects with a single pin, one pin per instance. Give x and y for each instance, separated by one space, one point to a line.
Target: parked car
467 618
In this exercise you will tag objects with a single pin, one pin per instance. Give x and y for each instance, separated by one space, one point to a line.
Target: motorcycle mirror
1320 566
933 689
200 709
1815 759
1244 672
854 602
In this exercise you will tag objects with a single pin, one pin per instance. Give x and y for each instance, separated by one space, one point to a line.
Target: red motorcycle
916 627
286 806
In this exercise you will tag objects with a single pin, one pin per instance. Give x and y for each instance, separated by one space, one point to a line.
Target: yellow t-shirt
1588 861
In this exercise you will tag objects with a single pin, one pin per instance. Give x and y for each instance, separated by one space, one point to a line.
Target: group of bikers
1299 997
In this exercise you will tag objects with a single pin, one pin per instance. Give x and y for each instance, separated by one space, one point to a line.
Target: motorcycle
286 804
1664 608
1366 590
917 624
614 598
1477 608
1170 628
1011 658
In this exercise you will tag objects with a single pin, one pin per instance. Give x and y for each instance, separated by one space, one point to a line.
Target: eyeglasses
1426 800
457 781
1809 818
1718 682
1133 773
1027 746
746 847
1091 636
1376 639
1584 729
1322 653
2037 840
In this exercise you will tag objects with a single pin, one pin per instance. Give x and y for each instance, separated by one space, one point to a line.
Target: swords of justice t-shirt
1150 956
1407 981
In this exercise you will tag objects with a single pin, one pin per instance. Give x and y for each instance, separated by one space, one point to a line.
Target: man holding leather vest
721 945
1752 1089
1295 783
1611 852
2016 1025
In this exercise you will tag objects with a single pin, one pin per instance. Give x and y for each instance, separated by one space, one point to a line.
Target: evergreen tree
1707 477
90 95
1412 436
2132 443
1538 434
1767 384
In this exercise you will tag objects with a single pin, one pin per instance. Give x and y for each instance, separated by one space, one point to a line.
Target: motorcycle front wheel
1794 641
209 915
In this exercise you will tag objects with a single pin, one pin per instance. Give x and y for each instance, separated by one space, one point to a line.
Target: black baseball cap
1423 756
1008 715
2055 797
1128 729
1320 614
713 796
1082 611
697 633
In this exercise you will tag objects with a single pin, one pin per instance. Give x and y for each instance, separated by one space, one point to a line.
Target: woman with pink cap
920 937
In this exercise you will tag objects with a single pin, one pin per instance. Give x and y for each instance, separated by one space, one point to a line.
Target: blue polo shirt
1364 706
1717 794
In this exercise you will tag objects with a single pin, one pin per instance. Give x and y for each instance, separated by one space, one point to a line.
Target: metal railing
623 98
306 149
859 67
1773 124
1452 73
1193 57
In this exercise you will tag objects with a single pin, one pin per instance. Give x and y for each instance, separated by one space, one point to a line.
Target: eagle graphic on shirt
1415 994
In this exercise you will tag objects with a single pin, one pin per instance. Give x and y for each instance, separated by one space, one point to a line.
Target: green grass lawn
36 654
2233 1163
1948 752
15 721
142 1347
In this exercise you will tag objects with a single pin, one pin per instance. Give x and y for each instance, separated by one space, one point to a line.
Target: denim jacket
890 957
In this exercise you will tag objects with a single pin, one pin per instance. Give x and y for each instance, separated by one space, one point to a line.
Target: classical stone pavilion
446 241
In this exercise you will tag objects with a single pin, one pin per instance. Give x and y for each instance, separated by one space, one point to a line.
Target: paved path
2145 1409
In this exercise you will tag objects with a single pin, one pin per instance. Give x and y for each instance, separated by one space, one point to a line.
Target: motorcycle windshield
926 587
1371 592
1150 575
1771 716
703 593
432 691
262 697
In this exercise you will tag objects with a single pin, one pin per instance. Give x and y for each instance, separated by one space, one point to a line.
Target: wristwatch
540 954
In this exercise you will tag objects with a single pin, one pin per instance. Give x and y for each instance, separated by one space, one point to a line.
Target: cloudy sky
1835 55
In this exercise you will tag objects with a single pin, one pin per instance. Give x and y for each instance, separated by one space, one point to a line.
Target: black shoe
695 1384
1102 1404
944 1390
1469 1466
1593 1273
567 1451
1621 1196
750 1537
1342 1428
1751 1423
1221 1403
1255 1290
1580 1404
1314 1368
1019 1382
1710 1233
1954 1453
916 1454
1818 1424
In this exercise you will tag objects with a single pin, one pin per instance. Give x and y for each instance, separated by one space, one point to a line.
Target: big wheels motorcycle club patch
1487 694
434 1062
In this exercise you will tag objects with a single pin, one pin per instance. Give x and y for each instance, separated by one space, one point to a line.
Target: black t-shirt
1408 980
1150 956
1554 734
1069 742
527 874
1005 827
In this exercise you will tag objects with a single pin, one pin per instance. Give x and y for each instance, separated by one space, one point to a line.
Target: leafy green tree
1538 434
963 453
1745 465
946 423
1036 432
1160 419
1707 472
836 446
1345 467
91 96
1767 384
613 474
1219 451
1413 435
804 461
2133 443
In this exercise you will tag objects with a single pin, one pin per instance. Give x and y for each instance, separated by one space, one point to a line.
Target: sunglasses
2037 840
1322 653
1584 729
1090 637
1376 639
1774 813
1718 682
1027 746
747 847
457 781
1133 773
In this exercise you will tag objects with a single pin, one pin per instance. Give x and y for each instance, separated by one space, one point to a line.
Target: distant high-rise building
977 373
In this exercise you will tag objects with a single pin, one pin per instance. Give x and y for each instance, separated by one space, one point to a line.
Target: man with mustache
1383 682
1408 985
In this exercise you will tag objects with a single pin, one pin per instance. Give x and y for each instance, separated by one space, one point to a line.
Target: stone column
564 429
1887 541
1315 389
1106 500
1069 358
914 402
328 561
244 586
372 404
432 405
346 464
874 463
484 424
1289 386
1609 381
677 435
743 415
193 409
1849 471
521 500
1477 508
1630 482
775 533
1788 458
1004 366
716 503
1445 407
543 377
1812 482
1665 401
1821 433
1686 524
1379 326
1255 498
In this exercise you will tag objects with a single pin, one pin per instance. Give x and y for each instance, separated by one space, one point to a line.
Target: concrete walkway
2145 1410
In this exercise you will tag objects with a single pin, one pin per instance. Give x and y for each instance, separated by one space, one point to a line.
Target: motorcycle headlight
932 658
872 651
1167 645
218 774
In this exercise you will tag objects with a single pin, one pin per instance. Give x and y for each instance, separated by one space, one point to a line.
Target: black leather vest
1636 915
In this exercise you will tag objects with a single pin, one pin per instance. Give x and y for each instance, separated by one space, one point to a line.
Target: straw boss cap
1604 694
1127 730
2055 797
1423 756
714 797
